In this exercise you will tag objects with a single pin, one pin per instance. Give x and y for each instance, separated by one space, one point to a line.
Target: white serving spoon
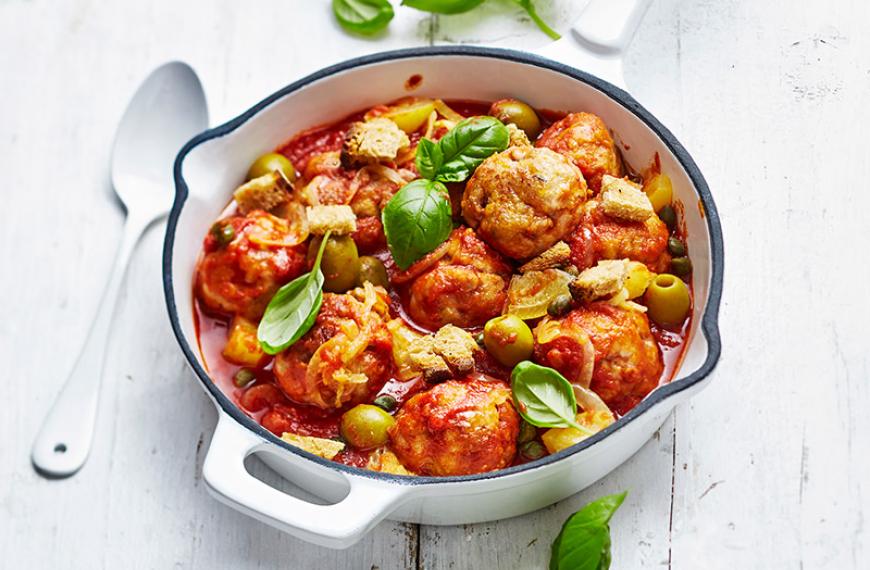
168 109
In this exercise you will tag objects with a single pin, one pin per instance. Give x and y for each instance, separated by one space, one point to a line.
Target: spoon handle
64 440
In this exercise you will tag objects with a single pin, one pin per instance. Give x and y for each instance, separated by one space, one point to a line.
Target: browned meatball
459 427
241 276
346 356
628 364
523 200
463 283
600 236
584 138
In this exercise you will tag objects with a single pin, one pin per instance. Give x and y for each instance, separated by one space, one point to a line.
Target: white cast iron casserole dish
211 165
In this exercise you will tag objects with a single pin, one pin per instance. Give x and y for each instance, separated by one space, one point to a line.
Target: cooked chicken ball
585 140
463 283
245 263
458 427
346 357
628 364
523 200
599 236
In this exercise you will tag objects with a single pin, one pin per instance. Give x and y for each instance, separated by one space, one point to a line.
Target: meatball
599 236
585 140
459 427
463 283
346 357
523 200
628 364
242 276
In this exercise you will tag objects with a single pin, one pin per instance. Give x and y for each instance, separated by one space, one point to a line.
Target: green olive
676 247
681 266
386 403
340 264
532 450
560 305
508 339
517 113
667 299
243 377
366 426
272 162
371 269
478 338
659 191
528 432
223 233
669 217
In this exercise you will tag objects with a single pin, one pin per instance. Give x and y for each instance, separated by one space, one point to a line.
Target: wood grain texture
768 468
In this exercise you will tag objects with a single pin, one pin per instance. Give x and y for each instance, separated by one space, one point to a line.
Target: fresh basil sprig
543 397
584 541
443 6
363 16
467 144
529 7
417 220
293 309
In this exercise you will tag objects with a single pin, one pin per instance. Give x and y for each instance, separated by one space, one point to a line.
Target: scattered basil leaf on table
428 158
467 144
443 6
363 16
529 7
417 220
543 397
584 541
293 309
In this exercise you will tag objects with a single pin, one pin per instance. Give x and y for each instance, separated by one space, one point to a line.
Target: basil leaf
584 541
543 397
529 7
417 220
428 158
467 144
363 16
443 6
293 309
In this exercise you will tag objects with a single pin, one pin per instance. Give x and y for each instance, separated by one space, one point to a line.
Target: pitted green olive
340 264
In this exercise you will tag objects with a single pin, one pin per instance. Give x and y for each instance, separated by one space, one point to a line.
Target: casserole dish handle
336 525
598 38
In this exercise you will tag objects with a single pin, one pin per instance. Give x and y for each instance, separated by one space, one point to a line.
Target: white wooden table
768 468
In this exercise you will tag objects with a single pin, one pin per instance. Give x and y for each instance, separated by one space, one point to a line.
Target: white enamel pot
343 503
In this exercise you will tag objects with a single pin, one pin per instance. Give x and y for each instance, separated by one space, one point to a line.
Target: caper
528 432
386 402
681 266
560 305
340 263
669 217
479 339
371 269
243 377
532 450
272 162
676 247
366 426
509 339
224 233
519 114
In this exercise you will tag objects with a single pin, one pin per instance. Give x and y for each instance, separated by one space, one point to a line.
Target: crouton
604 280
518 136
556 256
623 199
385 461
325 448
449 353
369 142
340 219
264 193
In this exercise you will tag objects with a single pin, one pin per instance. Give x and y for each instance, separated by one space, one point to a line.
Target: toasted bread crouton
264 193
385 461
449 353
369 142
556 256
340 219
518 136
623 199
604 280
325 448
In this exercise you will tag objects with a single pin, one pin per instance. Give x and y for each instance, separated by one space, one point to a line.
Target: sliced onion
445 111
